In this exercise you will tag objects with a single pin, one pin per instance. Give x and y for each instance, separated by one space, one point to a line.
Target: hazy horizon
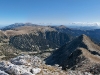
68 24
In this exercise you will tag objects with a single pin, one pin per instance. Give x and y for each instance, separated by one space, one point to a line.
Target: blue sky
49 11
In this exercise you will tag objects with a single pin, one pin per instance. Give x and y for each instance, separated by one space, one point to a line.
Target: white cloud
86 23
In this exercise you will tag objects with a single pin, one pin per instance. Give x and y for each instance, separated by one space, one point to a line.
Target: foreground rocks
32 65
25 65
21 65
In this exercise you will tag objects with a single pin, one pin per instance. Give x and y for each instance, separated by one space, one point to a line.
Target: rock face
31 43
79 54
41 41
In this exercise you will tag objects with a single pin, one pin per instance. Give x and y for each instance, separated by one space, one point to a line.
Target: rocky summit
78 54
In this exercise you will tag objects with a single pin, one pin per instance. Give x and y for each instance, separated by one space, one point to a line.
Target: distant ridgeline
12 26
35 37
93 34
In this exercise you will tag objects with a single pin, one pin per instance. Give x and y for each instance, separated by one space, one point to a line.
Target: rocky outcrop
23 65
32 65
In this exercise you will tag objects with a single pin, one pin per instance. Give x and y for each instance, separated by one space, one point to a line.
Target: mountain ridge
21 28
76 54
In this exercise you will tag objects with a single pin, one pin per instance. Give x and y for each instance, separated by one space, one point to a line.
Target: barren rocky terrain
48 50
33 65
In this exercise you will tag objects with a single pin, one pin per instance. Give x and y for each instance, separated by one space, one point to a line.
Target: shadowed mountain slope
79 53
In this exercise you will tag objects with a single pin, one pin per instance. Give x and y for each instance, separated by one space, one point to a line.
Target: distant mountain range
94 34
12 26
52 36
73 26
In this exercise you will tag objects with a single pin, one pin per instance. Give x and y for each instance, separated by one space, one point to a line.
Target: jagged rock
36 70
13 69
27 74
78 73
21 60
3 73
26 60
4 65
